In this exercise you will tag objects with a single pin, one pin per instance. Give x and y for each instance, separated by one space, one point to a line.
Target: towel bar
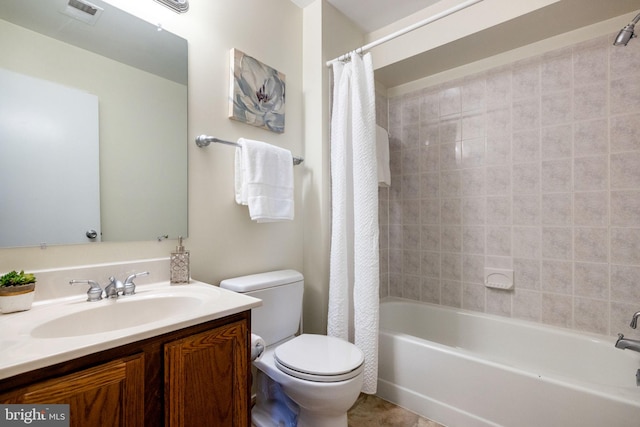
205 140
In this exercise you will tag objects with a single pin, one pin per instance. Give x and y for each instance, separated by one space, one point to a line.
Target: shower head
626 33
624 36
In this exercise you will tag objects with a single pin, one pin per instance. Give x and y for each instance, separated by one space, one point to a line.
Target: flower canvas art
257 93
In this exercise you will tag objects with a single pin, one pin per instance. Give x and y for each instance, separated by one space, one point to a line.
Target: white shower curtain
354 261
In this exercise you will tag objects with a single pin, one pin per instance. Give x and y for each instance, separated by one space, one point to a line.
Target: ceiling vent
83 11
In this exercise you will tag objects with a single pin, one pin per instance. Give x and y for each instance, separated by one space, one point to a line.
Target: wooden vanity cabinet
206 379
197 376
111 394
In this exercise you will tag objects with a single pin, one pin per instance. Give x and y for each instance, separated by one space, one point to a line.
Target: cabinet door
108 395
206 378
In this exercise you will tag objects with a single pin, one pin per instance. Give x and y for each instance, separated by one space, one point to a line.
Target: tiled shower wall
533 166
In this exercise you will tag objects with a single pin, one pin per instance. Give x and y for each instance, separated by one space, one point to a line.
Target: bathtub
467 369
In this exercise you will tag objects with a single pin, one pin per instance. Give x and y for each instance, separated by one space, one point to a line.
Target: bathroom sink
116 314
59 329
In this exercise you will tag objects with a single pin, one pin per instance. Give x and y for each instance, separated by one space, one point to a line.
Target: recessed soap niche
498 278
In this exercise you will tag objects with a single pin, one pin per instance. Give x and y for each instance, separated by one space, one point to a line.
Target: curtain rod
406 30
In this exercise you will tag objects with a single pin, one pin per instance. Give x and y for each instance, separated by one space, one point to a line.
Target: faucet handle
620 338
634 320
95 291
129 286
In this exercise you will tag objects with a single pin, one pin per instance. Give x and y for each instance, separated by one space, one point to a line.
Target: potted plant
16 291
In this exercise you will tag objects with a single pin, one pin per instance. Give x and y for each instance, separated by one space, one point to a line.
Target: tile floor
371 411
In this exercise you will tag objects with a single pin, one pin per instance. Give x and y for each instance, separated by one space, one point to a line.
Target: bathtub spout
626 343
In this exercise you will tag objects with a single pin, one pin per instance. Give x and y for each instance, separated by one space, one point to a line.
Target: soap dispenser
179 264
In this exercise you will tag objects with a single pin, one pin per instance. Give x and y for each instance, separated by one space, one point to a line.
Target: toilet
306 380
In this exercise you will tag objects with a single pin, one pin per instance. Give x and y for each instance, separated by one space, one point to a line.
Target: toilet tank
281 293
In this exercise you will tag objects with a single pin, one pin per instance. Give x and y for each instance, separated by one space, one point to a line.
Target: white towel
382 155
264 180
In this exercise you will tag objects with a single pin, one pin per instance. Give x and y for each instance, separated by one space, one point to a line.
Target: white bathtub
467 369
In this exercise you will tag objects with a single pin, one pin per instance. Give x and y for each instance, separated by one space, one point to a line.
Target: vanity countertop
32 339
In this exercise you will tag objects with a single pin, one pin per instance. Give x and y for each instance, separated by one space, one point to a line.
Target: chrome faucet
95 291
626 343
634 320
114 288
129 286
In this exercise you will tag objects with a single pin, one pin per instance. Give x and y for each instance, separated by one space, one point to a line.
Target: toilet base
307 419
264 417
273 407
316 404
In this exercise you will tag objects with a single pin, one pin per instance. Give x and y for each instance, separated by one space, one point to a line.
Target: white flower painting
257 93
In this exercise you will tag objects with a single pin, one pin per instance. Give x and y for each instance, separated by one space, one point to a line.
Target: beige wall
222 239
461 24
327 34
315 197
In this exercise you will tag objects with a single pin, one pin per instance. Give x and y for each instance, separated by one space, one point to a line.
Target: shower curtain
354 261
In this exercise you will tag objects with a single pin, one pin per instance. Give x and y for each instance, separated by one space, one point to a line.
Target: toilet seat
319 358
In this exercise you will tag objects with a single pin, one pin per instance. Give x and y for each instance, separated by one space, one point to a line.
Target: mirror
137 73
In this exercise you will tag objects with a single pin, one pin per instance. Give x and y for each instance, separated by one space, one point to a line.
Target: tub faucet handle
634 320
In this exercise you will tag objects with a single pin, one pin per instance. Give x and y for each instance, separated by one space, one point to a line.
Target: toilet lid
319 358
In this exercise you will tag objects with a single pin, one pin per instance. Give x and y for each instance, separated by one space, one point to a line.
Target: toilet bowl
322 375
311 380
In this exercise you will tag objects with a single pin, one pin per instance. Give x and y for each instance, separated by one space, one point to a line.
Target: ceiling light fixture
179 6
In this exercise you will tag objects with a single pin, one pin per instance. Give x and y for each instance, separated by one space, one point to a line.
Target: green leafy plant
13 278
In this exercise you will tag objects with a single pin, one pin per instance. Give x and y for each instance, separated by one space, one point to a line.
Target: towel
264 180
382 155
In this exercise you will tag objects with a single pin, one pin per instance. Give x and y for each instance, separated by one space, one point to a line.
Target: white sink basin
115 314
57 330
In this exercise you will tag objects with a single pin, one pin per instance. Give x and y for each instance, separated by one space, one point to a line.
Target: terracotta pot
16 298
